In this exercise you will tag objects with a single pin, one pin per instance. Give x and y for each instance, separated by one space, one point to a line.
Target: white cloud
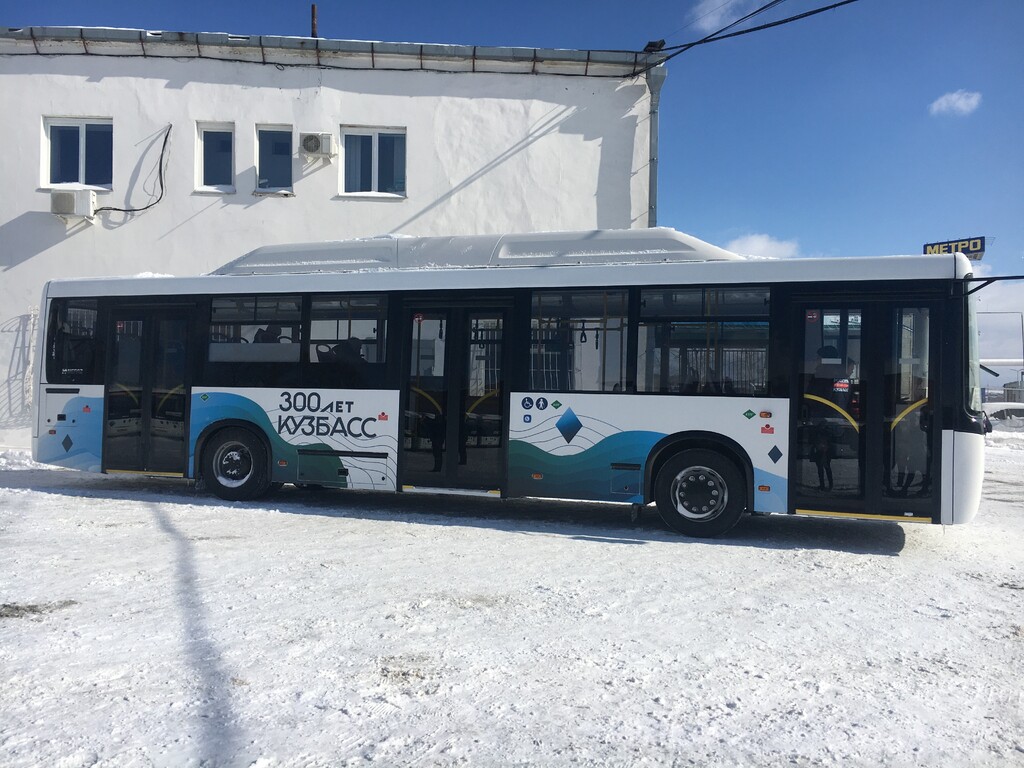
765 246
956 103
712 15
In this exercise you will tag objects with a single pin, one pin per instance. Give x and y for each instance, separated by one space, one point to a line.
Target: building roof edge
325 52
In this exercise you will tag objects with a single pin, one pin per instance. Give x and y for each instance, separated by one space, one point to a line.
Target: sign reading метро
971 247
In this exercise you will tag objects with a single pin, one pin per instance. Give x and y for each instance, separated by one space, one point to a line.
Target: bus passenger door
454 417
864 406
146 395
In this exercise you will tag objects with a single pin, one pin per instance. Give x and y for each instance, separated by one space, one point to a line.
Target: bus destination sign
971 247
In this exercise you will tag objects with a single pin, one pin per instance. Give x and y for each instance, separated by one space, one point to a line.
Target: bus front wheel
235 465
700 493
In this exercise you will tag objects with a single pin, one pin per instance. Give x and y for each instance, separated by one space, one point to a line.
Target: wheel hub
233 464
699 493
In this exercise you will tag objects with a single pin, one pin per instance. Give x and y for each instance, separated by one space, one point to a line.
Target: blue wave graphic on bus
562 439
220 406
78 445
590 475
325 469
585 474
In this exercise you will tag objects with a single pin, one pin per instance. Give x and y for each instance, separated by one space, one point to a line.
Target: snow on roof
603 246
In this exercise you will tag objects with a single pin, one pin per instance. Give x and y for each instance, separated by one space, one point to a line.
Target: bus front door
864 400
146 398
455 399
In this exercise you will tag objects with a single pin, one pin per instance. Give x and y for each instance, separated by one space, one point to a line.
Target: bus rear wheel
700 493
235 465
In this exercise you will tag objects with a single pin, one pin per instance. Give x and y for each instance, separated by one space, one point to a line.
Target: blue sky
822 137
815 138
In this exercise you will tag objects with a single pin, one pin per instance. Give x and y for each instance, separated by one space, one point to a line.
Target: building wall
486 153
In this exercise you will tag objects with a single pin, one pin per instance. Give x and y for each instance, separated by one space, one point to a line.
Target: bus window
247 329
347 339
973 379
578 341
909 406
71 349
680 351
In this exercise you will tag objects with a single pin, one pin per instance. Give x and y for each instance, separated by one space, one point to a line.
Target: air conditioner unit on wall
319 144
80 203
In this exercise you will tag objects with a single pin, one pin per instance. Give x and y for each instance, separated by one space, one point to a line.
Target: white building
402 138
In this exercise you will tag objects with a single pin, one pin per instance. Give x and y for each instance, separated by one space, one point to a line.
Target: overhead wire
708 38
714 37
675 32
780 22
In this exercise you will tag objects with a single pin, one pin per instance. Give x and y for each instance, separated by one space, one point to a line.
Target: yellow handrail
835 407
907 411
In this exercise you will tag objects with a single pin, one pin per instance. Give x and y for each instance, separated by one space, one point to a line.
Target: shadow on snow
608 523
218 733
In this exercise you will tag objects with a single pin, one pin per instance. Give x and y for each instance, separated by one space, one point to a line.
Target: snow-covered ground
144 624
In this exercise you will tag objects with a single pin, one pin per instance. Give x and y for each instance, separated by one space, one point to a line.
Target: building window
216 167
578 341
374 160
274 158
81 151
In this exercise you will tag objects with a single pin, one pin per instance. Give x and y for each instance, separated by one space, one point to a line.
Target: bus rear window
71 342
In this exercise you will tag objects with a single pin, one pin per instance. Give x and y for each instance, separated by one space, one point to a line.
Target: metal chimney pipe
313 20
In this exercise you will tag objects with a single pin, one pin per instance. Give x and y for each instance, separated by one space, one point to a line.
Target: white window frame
288 191
375 132
201 128
80 123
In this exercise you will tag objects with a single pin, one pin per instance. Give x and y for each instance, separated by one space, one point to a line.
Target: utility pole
313 20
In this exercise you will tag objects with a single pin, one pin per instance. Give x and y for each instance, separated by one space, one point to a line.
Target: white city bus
631 366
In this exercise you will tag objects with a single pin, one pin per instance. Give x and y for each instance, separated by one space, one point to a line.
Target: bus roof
502 262
602 246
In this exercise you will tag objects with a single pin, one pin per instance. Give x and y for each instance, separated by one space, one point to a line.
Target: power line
714 37
686 46
780 22
675 32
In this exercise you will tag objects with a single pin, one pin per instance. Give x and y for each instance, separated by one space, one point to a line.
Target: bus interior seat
270 335
325 353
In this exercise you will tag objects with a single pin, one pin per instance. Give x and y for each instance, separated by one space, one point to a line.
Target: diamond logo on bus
556 405
775 454
569 425
67 443
749 414
204 397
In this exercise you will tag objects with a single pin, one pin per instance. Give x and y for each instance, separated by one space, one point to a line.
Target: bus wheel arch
234 461
717 471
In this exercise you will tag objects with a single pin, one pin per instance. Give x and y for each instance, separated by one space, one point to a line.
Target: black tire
700 493
235 465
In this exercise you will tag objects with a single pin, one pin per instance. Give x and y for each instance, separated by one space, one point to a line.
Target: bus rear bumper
963 458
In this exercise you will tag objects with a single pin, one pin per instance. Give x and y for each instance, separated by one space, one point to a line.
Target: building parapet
320 52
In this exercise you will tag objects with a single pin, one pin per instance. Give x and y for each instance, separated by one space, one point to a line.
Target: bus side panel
69 420
595 446
963 468
332 437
